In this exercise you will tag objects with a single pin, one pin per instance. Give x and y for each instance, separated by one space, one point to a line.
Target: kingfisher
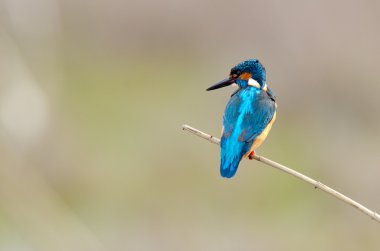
248 117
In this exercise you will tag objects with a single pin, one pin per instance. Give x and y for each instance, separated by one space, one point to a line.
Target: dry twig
316 184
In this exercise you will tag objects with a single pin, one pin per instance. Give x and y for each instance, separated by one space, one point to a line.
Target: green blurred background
93 95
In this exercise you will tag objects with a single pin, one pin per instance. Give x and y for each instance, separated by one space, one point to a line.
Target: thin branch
316 184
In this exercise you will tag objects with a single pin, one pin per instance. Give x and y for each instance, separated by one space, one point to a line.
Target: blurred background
93 95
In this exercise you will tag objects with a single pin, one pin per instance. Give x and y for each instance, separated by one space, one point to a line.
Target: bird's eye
234 75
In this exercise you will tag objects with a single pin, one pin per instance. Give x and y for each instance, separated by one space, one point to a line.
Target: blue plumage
248 116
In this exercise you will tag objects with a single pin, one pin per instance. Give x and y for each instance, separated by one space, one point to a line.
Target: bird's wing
254 123
231 115
231 150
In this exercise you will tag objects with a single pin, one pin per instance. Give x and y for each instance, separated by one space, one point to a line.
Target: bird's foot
251 154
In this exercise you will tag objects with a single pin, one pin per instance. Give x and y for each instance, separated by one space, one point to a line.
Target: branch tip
316 184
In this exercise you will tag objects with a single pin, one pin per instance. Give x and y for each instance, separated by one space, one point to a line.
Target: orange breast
260 139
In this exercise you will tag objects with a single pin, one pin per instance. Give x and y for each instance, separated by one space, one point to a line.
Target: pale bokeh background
93 95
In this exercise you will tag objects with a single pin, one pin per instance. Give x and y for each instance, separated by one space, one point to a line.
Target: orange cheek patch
246 76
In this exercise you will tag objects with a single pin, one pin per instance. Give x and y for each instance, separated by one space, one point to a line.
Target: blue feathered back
247 114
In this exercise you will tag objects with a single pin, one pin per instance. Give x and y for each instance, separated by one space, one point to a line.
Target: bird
248 116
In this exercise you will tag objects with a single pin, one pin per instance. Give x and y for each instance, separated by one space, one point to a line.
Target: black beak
223 83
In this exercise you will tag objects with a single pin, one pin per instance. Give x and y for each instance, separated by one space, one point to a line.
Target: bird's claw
251 154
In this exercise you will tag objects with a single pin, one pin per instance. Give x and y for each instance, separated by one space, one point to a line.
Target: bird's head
247 73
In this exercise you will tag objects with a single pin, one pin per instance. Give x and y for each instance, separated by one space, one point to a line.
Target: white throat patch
254 83
265 87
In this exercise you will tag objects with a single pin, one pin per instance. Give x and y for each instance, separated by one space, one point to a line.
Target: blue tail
231 154
229 168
